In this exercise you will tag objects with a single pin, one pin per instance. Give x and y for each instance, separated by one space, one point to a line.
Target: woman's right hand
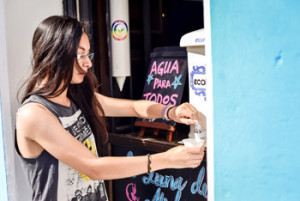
184 157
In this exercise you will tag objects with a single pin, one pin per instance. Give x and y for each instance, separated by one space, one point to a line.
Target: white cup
192 142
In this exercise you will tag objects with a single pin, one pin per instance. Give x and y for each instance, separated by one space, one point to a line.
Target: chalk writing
150 77
131 191
158 196
159 98
176 81
164 67
196 186
164 185
163 84
166 182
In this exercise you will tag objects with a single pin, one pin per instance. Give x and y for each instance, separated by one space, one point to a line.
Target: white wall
20 18
5 120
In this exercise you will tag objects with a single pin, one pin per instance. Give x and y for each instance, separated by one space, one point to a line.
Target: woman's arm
129 108
184 113
45 132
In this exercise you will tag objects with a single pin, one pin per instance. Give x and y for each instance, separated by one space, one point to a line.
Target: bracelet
165 112
149 164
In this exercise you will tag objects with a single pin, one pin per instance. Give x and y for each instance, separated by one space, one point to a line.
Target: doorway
153 23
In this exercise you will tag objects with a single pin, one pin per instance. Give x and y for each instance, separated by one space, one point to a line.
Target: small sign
166 77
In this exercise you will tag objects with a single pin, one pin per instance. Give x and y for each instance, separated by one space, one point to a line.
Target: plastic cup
192 142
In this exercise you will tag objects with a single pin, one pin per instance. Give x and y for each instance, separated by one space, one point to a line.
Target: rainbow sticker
119 30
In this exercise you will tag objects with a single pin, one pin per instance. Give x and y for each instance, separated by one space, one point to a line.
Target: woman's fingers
185 113
189 157
186 121
195 150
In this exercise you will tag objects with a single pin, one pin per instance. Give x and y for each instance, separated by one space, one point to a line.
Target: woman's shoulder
34 124
33 115
32 109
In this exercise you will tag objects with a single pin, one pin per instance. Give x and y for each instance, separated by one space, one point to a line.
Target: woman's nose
88 62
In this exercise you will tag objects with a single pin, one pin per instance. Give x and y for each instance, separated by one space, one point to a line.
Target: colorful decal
198 81
119 30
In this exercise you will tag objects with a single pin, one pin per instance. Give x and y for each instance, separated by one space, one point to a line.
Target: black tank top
51 179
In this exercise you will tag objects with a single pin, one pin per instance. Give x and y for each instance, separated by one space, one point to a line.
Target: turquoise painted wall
256 83
3 182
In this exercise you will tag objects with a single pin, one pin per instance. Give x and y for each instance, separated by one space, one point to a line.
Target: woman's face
83 62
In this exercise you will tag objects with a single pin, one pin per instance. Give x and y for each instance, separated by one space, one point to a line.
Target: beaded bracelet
149 164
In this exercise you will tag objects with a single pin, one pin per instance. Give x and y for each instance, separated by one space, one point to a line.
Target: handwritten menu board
164 185
166 77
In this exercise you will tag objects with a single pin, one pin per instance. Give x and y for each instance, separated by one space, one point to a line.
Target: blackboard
165 78
164 185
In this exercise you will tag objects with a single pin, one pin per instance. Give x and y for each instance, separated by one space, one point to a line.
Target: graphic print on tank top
72 185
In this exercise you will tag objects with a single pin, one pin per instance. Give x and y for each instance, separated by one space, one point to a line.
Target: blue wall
3 182
256 78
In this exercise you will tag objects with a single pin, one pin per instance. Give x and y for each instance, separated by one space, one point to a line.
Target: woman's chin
77 81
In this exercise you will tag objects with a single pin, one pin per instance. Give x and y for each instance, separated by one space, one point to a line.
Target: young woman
61 121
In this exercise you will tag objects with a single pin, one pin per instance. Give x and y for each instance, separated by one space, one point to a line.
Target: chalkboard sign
164 185
166 77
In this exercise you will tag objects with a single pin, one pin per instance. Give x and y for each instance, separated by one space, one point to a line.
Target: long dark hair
54 45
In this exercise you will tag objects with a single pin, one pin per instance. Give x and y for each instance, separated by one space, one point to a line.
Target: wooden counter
133 140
